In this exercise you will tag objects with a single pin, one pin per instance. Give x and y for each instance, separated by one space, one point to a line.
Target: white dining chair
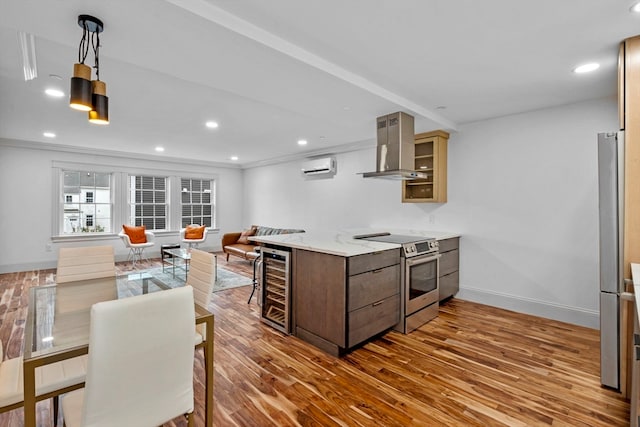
140 365
90 262
80 264
136 249
51 380
202 277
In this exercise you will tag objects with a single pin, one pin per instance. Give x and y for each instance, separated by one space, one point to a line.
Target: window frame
132 204
191 191
120 198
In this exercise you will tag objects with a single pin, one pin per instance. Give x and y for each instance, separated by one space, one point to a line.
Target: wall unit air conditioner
325 165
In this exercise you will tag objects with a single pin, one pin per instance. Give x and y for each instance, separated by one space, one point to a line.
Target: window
92 202
95 212
197 201
148 201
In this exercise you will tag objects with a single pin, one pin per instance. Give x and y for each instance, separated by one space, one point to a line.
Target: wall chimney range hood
396 148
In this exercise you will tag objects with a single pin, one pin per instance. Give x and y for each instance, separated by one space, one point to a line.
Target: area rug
225 279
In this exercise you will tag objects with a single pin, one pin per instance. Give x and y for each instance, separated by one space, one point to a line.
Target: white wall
26 191
522 193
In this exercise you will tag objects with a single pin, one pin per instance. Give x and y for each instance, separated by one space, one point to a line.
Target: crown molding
34 145
337 149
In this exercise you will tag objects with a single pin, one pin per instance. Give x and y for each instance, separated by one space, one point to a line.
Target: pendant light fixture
85 94
99 113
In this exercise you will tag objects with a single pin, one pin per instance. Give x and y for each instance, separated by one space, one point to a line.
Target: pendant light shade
85 94
99 114
80 93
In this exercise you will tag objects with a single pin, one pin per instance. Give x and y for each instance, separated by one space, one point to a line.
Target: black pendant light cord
83 49
95 42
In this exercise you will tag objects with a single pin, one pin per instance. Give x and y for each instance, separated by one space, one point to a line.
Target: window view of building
197 202
87 202
92 202
148 201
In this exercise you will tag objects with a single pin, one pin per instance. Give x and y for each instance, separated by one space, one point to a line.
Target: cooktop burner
395 238
411 245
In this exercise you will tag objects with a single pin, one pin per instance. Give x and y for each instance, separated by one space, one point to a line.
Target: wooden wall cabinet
431 158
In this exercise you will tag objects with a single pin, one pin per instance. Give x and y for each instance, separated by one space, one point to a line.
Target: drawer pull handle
377 303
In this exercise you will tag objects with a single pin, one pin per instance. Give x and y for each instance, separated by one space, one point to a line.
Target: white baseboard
563 313
29 266
45 265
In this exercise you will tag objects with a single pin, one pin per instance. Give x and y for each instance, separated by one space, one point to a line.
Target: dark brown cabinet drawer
373 286
449 262
447 245
373 319
375 261
449 285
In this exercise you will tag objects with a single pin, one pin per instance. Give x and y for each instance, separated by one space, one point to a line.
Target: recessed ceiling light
302 142
211 125
55 93
635 8
159 149
586 68
234 158
49 134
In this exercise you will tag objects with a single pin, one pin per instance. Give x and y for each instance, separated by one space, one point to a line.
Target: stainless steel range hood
396 148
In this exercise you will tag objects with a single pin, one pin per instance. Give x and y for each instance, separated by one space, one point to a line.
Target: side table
164 254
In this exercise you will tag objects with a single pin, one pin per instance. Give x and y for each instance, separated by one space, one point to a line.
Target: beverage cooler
275 281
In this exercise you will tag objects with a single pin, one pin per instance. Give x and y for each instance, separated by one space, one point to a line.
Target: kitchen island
343 291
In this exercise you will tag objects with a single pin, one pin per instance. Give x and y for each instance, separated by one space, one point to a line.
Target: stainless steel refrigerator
611 220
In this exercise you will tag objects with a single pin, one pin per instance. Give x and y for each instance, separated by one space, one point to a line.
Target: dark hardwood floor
474 366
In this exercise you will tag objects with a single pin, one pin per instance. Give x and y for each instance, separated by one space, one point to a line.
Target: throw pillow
194 232
243 239
136 234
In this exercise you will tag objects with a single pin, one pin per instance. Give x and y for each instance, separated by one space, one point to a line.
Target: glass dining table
57 328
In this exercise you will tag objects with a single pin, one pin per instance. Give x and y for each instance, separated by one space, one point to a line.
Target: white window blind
198 199
148 201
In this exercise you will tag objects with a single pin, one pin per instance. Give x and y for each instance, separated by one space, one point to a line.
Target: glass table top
58 316
179 253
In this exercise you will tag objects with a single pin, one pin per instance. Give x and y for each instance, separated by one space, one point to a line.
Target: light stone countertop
439 235
342 243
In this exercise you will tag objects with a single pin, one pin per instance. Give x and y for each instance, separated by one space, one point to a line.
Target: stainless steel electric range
419 290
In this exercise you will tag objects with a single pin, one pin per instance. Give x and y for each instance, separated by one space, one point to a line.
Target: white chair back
202 276
140 368
89 262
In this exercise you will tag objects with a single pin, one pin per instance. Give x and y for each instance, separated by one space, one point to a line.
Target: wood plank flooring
474 366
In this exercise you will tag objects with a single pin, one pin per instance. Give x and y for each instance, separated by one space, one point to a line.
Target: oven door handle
421 259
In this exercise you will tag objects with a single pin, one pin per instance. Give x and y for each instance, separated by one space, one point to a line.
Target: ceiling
273 72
